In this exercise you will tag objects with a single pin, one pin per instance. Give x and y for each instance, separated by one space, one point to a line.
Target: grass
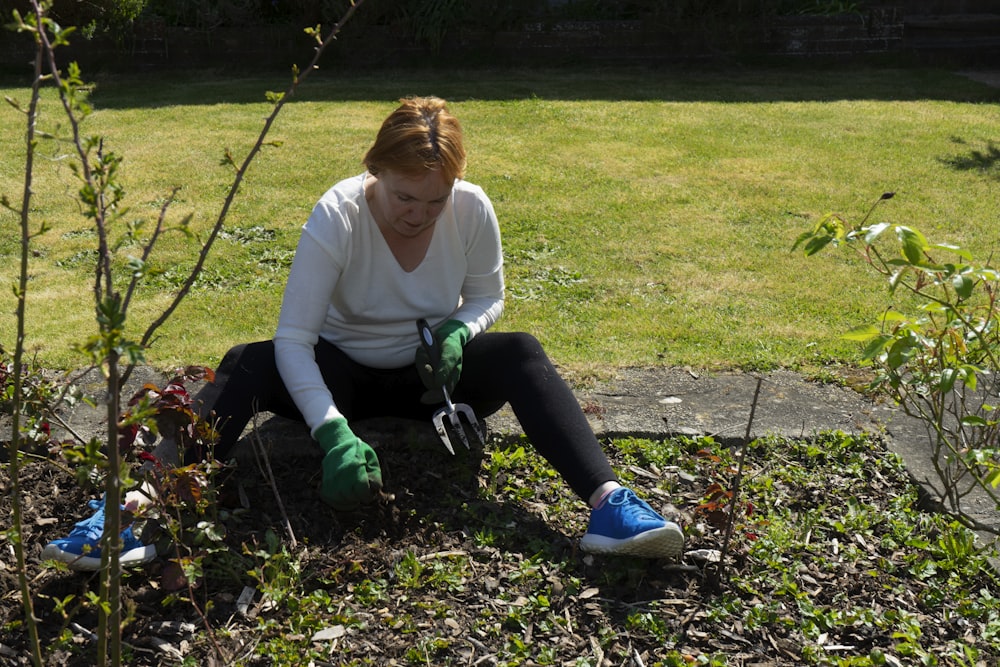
647 215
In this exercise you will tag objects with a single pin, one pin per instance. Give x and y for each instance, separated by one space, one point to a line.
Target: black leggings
497 368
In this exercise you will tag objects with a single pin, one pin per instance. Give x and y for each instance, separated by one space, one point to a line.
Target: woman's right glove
351 473
451 337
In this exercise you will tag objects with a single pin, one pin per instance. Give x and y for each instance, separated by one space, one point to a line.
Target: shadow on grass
985 161
729 83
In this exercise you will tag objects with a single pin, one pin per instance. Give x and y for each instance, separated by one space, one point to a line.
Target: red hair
418 136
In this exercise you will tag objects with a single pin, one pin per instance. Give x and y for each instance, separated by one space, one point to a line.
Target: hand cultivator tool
450 410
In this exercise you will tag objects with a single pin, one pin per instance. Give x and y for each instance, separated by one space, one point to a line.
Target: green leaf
935 307
875 347
894 316
14 103
901 352
947 382
974 420
970 376
136 267
894 280
875 231
862 333
963 285
800 239
829 228
914 245
950 247
815 244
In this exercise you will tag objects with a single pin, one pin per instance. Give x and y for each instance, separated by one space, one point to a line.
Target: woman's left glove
452 337
351 473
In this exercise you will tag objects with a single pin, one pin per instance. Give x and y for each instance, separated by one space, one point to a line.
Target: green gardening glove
351 473
452 337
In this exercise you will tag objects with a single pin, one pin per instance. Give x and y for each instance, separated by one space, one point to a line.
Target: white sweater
346 286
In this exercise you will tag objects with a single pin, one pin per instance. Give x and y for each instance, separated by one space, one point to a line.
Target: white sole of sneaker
666 542
80 563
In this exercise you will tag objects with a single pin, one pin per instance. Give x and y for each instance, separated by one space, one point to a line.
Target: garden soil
634 402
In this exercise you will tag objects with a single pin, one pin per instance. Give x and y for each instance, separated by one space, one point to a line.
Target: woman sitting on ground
407 239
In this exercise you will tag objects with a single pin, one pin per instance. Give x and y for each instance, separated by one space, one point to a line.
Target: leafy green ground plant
799 535
939 361
832 564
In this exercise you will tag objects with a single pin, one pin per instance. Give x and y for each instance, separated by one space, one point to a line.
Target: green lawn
648 215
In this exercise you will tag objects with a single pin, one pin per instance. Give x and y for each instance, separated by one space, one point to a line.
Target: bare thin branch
264 464
734 501
242 170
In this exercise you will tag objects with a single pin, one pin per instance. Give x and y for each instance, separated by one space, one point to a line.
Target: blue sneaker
625 524
81 549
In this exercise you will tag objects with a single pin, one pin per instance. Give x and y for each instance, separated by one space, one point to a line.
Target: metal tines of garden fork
453 411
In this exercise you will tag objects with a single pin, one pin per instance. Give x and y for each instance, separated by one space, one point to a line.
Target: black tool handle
430 343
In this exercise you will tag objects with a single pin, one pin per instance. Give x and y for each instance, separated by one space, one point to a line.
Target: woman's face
409 205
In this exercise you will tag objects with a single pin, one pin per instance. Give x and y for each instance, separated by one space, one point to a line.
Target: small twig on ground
487 653
264 465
